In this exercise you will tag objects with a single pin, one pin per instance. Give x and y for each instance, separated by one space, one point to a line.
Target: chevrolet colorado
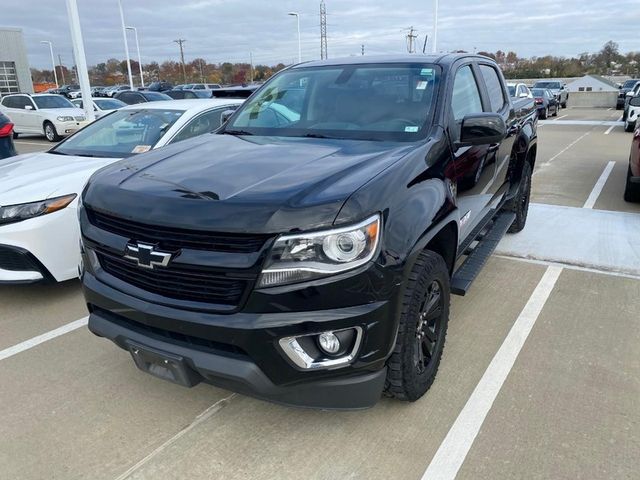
305 252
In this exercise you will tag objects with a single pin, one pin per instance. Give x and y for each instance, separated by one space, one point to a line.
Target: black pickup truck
305 252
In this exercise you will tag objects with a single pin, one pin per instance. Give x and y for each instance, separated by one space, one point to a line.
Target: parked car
632 186
184 86
184 94
131 98
631 122
74 94
101 106
204 86
54 116
519 90
622 96
97 91
65 90
113 91
160 86
7 149
558 89
38 220
310 262
546 102
630 94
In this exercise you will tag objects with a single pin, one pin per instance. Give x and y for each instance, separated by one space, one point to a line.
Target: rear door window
494 88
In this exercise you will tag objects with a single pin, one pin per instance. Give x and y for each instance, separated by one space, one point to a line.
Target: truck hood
37 176
241 184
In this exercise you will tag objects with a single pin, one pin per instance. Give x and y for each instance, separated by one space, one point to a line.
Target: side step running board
464 276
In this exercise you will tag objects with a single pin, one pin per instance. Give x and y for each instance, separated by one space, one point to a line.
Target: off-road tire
519 204
406 379
50 132
631 190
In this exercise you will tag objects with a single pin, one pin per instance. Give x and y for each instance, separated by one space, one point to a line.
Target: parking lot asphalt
540 377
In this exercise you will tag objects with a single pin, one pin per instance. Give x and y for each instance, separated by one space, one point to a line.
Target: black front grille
178 282
16 261
169 238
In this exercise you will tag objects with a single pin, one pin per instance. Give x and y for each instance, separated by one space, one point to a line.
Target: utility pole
80 59
201 71
362 49
323 31
180 41
61 69
434 47
411 38
251 65
53 62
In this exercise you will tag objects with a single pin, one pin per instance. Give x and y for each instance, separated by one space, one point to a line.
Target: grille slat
176 283
176 238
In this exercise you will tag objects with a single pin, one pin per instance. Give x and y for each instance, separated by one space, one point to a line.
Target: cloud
227 30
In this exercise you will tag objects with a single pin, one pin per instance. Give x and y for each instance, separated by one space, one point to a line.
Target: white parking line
208 413
35 341
609 129
454 449
597 189
561 151
560 118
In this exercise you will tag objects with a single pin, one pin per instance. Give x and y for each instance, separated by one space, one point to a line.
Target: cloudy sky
227 30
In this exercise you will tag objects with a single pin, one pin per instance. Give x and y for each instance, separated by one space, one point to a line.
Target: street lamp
135 31
126 44
297 15
53 62
434 47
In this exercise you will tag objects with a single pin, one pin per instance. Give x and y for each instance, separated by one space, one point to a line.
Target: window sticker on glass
141 148
421 85
426 72
411 129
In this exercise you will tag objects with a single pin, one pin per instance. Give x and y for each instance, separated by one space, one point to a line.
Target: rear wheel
631 190
555 112
545 113
50 132
564 104
519 204
422 329
15 134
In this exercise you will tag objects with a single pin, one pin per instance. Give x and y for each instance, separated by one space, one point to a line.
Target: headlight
17 213
65 119
305 256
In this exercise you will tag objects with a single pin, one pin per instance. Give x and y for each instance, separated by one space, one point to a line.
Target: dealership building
14 66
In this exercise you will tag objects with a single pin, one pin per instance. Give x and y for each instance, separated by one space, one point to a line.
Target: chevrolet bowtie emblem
146 255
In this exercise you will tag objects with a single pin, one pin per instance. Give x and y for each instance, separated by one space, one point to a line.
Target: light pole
126 44
434 47
53 62
135 31
81 60
297 15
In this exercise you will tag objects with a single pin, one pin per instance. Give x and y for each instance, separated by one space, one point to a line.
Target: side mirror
482 129
28 107
226 115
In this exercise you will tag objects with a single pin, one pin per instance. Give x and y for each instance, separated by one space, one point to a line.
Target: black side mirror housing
482 129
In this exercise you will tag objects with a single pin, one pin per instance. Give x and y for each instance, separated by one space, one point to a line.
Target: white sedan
39 192
101 106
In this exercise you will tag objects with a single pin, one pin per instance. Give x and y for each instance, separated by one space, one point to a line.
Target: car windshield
155 96
120 134
512 90
555 85
53 101
366 102
537 92
630 83
109 103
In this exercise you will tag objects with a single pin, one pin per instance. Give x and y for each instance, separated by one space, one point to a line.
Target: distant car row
546 102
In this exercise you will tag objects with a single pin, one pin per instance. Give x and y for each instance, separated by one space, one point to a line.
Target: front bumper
240 351
50 242
67 128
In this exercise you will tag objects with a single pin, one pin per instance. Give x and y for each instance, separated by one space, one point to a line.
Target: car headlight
23 211
64 118
305 256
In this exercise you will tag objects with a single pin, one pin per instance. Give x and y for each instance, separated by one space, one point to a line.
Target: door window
466 96
494 88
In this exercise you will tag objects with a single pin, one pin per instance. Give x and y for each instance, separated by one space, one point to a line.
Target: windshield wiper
56 152
314 135
236 132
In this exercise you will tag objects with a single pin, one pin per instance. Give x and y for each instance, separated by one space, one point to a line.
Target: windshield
555 85
109 103
52 101
630 83
366 102
120 134
512 90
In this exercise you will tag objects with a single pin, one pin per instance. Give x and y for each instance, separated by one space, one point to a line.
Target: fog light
329 342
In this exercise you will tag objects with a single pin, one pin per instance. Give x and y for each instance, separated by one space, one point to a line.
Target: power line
323 31
180 41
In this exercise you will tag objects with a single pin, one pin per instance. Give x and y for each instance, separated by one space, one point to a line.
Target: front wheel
422 329
519 204
50 132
